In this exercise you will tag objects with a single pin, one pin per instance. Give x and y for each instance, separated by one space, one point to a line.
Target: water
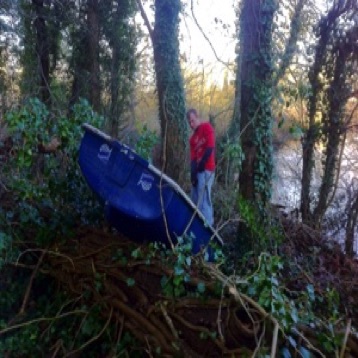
287 184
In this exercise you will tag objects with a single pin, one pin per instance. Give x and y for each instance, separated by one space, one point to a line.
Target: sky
215 20
204 20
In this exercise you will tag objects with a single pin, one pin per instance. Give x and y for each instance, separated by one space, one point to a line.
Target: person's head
193 118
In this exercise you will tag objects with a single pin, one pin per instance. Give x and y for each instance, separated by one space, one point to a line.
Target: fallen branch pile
134 288
132 292
322 264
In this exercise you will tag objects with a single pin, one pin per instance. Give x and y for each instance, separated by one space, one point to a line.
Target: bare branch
145 18
206 37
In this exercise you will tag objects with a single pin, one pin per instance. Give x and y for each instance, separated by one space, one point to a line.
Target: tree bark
351 226
255 99
42 52
174 127
338 65
122 43
93 53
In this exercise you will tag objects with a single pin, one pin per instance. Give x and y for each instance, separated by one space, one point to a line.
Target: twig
93 338
169 321
29 286
4 186
49 252
205 36
345 339
38 320
259 343
164 152
145 18
308 343
57 346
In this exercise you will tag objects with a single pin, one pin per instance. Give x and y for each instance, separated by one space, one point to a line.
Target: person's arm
204 159
193 173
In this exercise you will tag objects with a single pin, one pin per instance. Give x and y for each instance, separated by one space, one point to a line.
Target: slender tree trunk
336 103
351 226
291 45
122 42
312 134
42 52
85 55
170 88
332 66
115 77
93 53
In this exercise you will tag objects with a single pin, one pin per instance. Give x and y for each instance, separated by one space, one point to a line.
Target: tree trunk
85 55
351 226
334 67
174 127
312 134
122 43
93 53
336 103
256 95
42 52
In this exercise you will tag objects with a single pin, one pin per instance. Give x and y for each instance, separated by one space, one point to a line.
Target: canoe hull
140 201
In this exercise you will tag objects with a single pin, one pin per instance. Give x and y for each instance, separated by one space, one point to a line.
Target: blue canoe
141 202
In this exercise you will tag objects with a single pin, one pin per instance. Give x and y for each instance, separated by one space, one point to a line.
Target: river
287 184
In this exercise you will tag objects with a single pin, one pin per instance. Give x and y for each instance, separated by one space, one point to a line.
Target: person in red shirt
202 163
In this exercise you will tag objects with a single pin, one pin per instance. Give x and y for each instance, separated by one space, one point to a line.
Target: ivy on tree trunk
330 80
256 72
170 88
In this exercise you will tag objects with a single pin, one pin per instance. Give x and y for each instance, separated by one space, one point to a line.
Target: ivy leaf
310 291
305 353
201 287
130 282
285 353
292 341
178 271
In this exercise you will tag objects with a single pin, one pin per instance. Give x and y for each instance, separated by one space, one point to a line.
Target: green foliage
181 259
233 156
264 151
6 249
174 286
258 232
47 188
264 284
146 142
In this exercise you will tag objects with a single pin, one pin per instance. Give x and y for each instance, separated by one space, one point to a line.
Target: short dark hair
191 111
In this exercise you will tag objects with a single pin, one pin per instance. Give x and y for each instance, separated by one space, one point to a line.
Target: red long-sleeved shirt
203 138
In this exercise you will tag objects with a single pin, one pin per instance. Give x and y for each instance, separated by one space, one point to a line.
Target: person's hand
201 166
193 174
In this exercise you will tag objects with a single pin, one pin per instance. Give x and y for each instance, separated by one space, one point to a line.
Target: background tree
121 61
330 80
40 33
85 58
